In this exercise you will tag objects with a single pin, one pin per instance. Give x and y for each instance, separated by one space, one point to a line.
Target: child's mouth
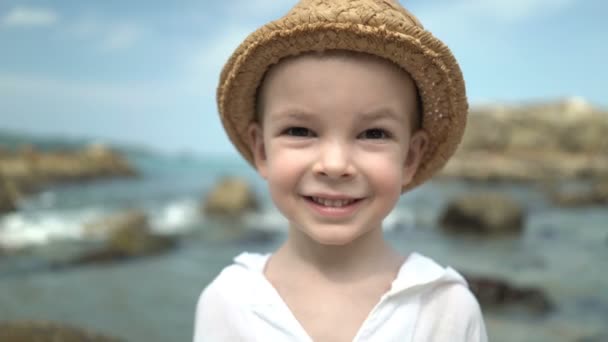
331 203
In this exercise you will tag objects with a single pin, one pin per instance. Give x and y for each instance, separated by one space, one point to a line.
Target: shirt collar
417 271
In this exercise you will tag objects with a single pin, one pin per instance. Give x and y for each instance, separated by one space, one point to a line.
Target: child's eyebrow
297 115
382 113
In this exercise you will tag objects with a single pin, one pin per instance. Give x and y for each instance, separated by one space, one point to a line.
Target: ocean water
562 251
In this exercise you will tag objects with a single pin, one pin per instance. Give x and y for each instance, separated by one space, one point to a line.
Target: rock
483 213
103 162
20 172
129 237
601 337
493 293
7 196
230 198
137 240
584 195
108 225
533 142
40 331
31 170
92 162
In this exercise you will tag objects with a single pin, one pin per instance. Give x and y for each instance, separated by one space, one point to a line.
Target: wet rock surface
483 214
37 331
29 170
495 293
594 193
8 196
231 198
129 237
533 143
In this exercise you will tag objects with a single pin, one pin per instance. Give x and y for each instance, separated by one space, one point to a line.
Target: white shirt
426 302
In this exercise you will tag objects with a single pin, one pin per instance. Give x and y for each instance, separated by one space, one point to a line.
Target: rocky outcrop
535 142
128 236
111 224
8 196
595 193
600 337
496 294
29 170
40 331
230 198
484 214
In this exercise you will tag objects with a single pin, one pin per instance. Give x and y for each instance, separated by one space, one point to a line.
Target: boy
341 106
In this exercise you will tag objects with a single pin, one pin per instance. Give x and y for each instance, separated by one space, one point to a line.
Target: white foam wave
22 229
175 217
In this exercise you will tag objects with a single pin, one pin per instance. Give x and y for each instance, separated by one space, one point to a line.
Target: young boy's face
335 142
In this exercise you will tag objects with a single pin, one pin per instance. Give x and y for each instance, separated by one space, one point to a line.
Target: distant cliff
552 141
28 169
14 141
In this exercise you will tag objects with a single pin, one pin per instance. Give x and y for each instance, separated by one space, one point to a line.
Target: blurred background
121 197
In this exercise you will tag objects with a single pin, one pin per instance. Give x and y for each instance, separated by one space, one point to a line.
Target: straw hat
378 27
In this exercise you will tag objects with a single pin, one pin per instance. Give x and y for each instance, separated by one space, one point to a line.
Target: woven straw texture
378 27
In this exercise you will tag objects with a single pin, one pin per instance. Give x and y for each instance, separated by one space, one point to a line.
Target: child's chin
333 238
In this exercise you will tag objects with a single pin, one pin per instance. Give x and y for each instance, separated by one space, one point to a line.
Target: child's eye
374 133
298 132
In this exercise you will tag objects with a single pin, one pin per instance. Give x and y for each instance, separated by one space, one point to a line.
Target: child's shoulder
441 284
237 280
448 308
221 307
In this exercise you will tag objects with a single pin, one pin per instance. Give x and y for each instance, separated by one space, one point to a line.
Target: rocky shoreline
544 142
49 331
29 170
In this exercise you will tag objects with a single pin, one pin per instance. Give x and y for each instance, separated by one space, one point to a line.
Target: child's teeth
332 203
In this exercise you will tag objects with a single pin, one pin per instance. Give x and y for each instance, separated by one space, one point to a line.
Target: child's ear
256 141
416 149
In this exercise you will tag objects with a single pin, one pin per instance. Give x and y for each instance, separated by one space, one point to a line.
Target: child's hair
415 119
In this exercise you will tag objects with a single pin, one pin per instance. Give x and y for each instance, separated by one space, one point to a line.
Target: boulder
137 240
129 237
600 337
595 193
92 162
533 142
7 196
31 170
40 331
110 224
103 162
483 213
230 198
494 293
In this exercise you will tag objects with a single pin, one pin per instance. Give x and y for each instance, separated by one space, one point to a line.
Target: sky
145 72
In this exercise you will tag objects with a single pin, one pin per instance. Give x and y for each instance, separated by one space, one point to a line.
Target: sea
563 252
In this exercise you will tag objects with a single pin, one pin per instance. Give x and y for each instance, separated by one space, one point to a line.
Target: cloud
104 34
120 37
127 95
30 17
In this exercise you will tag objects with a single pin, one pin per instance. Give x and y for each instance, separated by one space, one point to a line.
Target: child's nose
334 161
